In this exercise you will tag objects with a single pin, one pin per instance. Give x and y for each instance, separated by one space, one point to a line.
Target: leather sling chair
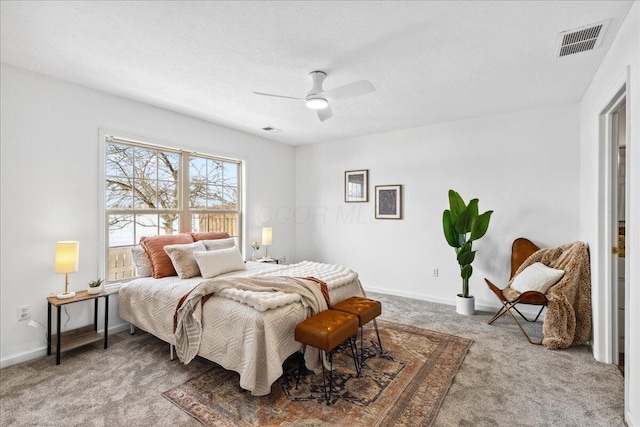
520 250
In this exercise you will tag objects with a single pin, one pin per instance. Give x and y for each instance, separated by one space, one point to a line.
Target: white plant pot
95 290
465 306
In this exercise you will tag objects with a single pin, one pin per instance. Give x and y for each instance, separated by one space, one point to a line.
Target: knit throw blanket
188 316
568 318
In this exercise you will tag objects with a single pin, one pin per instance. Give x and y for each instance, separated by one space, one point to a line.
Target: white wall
622 63
524 166
49 155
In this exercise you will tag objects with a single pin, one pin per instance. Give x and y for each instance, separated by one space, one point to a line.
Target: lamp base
66 295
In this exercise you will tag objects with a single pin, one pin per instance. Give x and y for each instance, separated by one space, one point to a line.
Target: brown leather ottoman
326 330
366 310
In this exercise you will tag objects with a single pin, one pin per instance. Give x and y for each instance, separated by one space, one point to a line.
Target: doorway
618 217
614 193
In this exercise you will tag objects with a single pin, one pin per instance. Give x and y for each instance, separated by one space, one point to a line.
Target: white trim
449 301
629 418
603 294
631 222
114 287
102 227
42 351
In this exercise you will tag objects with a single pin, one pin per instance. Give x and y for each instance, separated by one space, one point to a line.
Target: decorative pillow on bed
160 261
214 263
141 261
183 260
214 245
210 236
537 277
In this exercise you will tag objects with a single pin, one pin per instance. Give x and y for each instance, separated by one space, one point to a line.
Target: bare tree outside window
142 179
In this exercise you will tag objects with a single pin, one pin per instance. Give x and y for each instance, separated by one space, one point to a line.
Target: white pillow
214 245
183 260
537 277
141 261
214 263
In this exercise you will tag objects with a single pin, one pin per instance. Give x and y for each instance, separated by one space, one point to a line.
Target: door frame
604 290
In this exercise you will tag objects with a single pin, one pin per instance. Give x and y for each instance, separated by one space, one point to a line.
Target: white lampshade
66 260
266 236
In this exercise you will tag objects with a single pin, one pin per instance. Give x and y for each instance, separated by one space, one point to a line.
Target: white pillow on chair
536 277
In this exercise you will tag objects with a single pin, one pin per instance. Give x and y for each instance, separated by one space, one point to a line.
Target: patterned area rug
403 387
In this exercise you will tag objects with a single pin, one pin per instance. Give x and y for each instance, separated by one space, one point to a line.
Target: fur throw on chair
568 318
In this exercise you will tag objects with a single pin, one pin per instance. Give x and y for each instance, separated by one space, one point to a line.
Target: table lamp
266 240
66 262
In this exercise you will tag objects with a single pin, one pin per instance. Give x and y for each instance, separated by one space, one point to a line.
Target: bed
251 333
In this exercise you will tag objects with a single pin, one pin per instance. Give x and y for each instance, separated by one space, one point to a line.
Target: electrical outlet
24 312
434 272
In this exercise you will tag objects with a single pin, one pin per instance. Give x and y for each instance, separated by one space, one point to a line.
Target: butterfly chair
520 250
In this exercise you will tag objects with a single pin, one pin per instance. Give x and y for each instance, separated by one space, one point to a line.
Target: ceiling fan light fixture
317 103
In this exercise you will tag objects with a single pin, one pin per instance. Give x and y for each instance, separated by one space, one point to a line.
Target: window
152 190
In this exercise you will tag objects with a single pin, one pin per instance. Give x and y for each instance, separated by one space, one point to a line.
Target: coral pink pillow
154 247
210 236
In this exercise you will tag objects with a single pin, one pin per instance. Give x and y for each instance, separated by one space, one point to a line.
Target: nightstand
268 260
79 337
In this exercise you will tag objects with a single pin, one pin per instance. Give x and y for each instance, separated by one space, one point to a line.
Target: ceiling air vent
271 129
581 39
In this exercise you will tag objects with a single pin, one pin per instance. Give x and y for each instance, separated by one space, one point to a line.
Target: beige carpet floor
504 380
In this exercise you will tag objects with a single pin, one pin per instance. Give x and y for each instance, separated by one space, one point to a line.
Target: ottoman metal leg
354 354
378 334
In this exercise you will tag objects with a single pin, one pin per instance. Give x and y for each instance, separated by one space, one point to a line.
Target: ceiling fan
318 98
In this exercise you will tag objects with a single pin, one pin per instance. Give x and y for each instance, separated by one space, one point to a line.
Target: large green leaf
466 247
480 225
463 221
473 208
456 204
466 271
465 258
449 229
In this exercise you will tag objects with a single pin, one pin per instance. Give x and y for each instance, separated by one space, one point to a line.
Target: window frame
184 210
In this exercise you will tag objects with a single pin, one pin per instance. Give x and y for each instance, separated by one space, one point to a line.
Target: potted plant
94 287
462 226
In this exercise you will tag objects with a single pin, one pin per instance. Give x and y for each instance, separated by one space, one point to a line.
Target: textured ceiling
431 62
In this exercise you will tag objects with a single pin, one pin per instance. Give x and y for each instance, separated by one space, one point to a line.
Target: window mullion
183 200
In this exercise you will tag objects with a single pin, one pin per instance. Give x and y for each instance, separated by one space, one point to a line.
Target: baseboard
450 301
411 295
629 419
42 351
446 301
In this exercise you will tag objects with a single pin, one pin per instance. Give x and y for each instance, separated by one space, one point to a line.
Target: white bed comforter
249 332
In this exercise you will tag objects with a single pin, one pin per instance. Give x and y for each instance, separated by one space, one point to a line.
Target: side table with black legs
79 337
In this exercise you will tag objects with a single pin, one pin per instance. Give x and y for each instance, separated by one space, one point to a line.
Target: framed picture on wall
388 201
356 186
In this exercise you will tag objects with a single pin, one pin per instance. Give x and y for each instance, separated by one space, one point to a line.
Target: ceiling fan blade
277 96
349 90
325 113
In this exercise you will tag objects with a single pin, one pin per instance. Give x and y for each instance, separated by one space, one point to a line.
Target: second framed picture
388 201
